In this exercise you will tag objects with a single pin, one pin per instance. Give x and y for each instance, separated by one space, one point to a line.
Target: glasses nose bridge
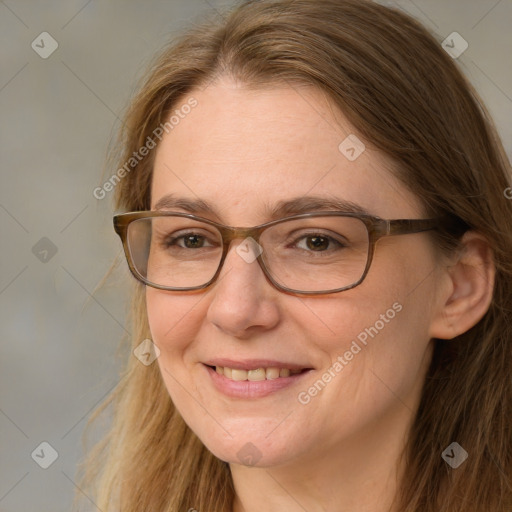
234 233
229 234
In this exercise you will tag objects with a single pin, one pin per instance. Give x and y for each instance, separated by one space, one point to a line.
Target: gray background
59 340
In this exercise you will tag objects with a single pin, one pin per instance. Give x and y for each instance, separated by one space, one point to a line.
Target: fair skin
242 151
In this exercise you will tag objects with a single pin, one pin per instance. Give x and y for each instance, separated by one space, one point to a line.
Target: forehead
243 150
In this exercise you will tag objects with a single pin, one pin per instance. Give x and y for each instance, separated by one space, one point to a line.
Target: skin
242 150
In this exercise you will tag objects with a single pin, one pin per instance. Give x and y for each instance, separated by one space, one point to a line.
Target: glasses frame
377 228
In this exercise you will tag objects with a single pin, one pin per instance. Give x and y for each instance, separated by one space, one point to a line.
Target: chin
257 450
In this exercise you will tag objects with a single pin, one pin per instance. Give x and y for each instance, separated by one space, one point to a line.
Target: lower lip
252 389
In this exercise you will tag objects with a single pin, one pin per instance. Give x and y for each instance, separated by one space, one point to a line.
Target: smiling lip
253 389
254 364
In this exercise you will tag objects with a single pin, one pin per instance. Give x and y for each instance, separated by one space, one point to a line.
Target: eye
317 242
188 241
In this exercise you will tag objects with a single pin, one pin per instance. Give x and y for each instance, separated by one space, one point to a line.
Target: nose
243 302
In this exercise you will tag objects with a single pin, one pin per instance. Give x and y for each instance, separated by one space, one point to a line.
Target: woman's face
244 152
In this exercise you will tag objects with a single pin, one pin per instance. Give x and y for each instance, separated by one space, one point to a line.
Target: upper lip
254 364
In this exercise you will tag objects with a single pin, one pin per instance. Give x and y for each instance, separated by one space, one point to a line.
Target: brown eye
188 241
193 241
317 243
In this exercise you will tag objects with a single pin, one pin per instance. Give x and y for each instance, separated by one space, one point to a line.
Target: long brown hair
403 93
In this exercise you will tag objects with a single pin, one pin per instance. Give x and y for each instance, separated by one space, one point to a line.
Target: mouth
258 374
255 378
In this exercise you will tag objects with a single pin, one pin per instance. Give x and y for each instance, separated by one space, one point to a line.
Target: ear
467 297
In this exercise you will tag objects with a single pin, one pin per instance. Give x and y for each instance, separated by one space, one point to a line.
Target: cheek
173 320
375 337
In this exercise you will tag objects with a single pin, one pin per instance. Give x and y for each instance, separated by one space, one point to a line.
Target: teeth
239 374
255 375
259 374
272 373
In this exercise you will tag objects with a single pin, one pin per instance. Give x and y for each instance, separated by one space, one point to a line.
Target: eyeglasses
306 254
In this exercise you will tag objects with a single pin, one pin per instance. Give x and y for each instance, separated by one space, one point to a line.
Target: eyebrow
294 206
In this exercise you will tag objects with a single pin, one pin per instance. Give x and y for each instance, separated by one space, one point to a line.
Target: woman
351 352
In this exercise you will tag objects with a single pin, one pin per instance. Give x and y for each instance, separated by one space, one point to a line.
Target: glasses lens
175 252
316 254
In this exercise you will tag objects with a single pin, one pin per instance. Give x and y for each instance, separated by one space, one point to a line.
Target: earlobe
471 285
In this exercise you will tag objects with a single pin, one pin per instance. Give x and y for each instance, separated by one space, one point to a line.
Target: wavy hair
403 93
